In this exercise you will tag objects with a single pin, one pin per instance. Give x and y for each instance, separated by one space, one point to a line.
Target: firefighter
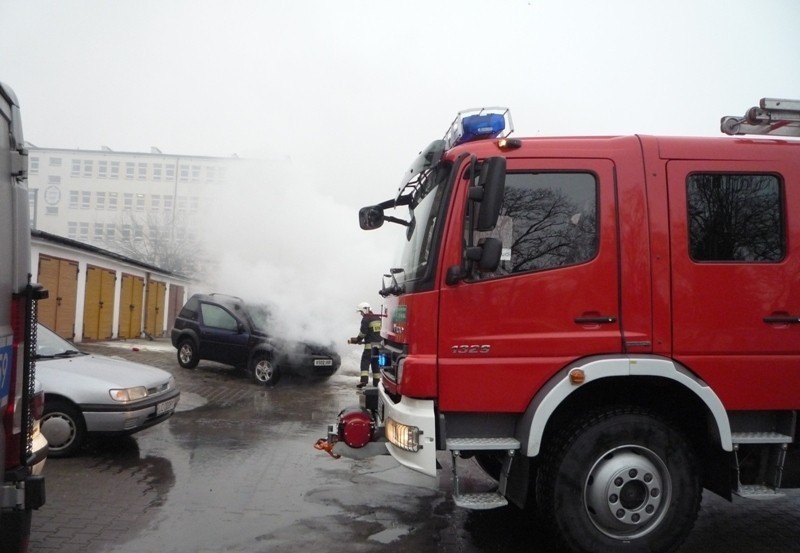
370 335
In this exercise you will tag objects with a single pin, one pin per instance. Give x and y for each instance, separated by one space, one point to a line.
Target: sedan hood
85 377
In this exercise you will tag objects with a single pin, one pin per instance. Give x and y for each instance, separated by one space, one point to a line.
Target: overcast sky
349 91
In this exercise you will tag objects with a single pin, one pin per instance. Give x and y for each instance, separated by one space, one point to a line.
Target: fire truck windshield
424 229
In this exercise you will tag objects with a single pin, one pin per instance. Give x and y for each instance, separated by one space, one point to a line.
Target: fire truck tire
188 356
264 370
620 480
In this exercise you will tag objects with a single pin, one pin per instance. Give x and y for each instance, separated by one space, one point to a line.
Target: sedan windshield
50 344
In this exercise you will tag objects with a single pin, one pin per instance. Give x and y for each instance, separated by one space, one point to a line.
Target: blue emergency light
479 124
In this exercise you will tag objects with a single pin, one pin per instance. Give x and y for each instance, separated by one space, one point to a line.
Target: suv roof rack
772 116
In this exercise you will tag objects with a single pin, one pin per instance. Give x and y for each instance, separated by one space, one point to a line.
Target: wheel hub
627 492
58 431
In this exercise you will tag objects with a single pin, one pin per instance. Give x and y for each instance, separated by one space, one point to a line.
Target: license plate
166 406
323 362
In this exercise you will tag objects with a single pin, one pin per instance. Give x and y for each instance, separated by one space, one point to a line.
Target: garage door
130 306
60 278
154 320
98 306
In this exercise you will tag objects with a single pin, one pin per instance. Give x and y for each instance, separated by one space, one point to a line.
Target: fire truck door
554 297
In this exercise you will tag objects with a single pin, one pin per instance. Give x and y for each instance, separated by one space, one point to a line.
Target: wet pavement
234 470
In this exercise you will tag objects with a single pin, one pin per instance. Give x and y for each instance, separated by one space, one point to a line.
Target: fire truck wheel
188 357
619 480
264 371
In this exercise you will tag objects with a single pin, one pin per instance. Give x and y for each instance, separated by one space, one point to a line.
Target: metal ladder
773 116
482 500
773 455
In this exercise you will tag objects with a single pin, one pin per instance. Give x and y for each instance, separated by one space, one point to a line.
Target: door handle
596 320
782 319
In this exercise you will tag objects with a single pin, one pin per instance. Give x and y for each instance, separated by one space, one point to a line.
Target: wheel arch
650 381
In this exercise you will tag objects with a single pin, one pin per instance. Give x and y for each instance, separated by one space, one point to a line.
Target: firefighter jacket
370 332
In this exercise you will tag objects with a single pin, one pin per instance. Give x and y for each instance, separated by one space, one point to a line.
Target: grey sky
351 90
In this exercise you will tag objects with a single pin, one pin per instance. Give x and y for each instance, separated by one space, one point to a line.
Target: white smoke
277 236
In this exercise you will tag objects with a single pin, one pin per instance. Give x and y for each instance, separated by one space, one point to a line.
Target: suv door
223 338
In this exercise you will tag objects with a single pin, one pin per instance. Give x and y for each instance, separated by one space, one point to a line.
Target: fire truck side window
547 220
735 217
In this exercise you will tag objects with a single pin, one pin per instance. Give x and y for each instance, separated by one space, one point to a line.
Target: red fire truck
607 325
22 447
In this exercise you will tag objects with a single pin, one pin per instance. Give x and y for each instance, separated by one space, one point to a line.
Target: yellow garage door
154 319
60 278
130 306
98 305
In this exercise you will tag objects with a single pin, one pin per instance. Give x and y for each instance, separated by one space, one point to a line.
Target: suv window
216 317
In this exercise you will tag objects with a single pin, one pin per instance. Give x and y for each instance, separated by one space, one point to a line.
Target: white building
121 201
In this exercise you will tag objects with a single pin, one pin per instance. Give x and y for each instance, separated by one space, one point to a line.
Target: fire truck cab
608 325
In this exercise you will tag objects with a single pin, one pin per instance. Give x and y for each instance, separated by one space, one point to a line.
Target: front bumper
127 419
417 413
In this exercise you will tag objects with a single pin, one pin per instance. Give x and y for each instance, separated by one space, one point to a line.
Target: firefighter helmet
363 307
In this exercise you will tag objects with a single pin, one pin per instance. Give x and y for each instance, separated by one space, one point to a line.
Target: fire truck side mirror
493 180
370 217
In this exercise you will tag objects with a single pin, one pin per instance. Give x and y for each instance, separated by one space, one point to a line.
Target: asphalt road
234 470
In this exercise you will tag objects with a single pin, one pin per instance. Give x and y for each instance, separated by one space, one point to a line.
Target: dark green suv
225 329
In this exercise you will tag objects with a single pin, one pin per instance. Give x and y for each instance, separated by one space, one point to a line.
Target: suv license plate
323 362
166 406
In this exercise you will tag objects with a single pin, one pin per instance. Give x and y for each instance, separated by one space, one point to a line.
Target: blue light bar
479 124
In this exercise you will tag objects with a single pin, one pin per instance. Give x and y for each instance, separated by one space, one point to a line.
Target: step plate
760 438
758 492
485 444
480 501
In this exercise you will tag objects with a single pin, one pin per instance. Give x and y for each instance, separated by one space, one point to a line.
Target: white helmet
363 307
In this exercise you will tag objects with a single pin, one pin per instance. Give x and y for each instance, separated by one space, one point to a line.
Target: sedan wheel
62 424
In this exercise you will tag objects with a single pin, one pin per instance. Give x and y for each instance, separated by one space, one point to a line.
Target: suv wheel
264 371
187 354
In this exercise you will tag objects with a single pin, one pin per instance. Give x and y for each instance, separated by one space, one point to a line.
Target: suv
225 329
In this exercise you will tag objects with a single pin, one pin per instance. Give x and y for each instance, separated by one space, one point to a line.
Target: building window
51 210
54 180
102 169
72 230
167 203
55 162
127 201
155 202
184 173
100 201
88 168
83 231
111 232
156 171
112 201
129 169
33 165
211 173
115 169
126 233
142 174
735 217
98 232
194 204
86 199
170 174
195 172
139 202
73 199
138 233
182 203
76 168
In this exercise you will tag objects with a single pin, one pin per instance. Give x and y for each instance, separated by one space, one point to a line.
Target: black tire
63 426
188 356
621 480
264 370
